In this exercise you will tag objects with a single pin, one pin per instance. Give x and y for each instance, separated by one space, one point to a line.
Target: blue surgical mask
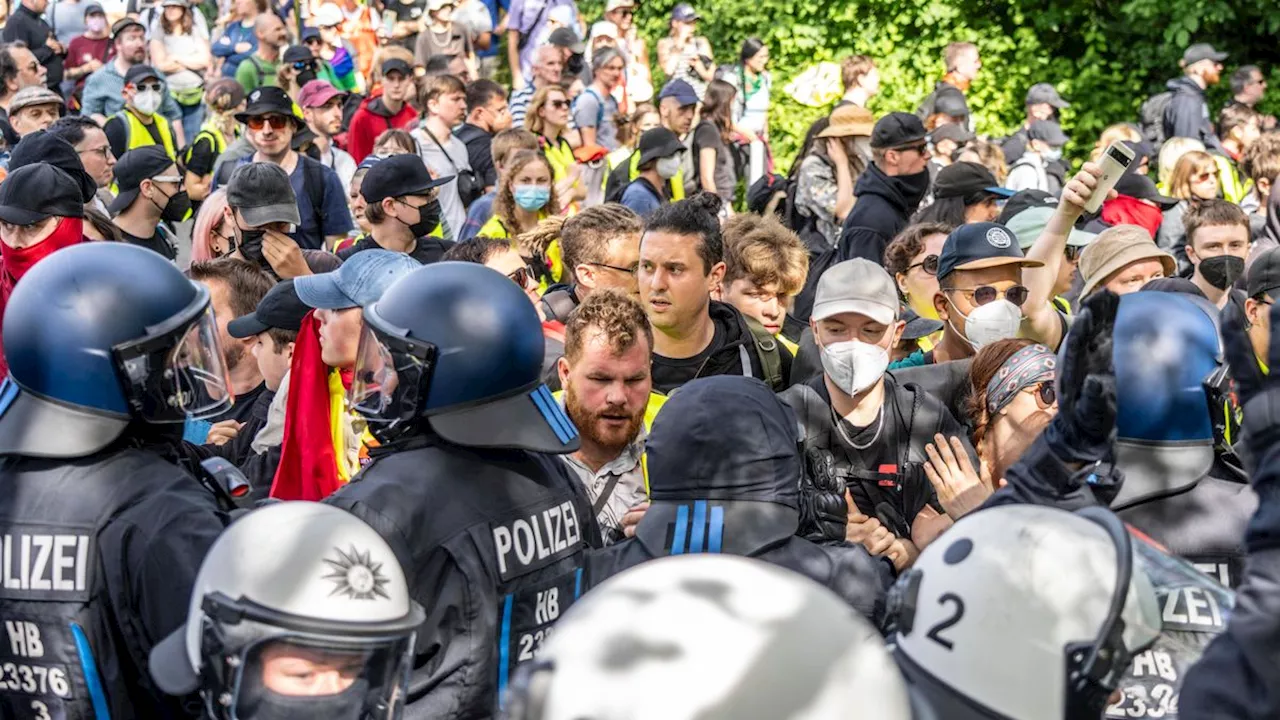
1052 154
531 197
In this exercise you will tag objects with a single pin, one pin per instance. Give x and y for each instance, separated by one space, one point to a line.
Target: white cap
604 28
856 286
616 4
328 15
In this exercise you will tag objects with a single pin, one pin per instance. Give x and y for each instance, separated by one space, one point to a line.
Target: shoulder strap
599 105
261 71
924 419
769 353
427 131
313 185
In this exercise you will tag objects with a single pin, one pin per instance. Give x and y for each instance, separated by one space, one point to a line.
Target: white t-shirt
446 164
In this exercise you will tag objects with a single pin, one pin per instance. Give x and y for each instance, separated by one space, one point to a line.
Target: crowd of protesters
876 355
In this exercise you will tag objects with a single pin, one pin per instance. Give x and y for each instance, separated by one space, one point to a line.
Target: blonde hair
1189 165
1171 151
533 121
762 250
1114 133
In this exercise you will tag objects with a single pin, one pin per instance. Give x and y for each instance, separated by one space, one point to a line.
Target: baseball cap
434 5
604 28
684 12
896 130
269 100
658 143
1048 131
975 246
297 53
566 38
918 327
967 180
1047 94
856 286
93 8
316 93
310 33
1030 223
263 195
1264 274
35 192
138 73
1142 187
397 176
36 95
359 282
849 121
681 90
955 132
618 5
123 24
1116 247
279 308
135 166
391 65
1201 51
1024 199
328 15
42 147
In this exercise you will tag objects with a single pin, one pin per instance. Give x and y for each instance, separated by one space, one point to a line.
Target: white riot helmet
300 610
710 637
1022 612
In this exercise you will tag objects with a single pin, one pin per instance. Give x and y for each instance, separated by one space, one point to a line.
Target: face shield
1194 609
392 376
177 372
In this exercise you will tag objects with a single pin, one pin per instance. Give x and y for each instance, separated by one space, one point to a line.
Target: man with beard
1187 114
606 380
103 94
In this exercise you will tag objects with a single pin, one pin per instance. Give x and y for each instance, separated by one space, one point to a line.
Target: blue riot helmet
461 346
1170 392
99 335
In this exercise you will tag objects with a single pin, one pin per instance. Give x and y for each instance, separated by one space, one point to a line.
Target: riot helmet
99 335
710 637
319 626
460 345
1023 611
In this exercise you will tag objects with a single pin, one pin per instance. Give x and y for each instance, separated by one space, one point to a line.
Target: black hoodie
884 205
1187 114
732 351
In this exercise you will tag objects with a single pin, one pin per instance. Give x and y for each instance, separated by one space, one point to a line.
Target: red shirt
370 121
83 49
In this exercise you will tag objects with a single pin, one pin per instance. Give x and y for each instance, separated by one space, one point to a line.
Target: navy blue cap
975 246
681 91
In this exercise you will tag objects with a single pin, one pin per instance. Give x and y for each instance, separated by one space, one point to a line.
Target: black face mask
1222 271
265 704
177 207
428 218
575 64
306 76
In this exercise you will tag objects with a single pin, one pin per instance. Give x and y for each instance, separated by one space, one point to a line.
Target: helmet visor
173 381
324 677
390 377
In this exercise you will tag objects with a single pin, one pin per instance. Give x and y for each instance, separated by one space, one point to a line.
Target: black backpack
1151 117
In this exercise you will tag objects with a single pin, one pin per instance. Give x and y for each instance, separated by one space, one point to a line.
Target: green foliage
1106 58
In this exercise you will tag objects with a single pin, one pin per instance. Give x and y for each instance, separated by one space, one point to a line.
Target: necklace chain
845 435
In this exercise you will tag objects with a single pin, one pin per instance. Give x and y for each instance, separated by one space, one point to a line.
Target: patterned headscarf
1031 365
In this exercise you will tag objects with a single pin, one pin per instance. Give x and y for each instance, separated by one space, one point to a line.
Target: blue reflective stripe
699 529
504 647
551 412
8 393
717 529
577 584
682 521
90 668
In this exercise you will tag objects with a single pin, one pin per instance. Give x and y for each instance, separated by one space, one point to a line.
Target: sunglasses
304 65
143 87
627 271
984 294
277 122
558 104
929 264
1045 394
1072 253
1203 177
521 276
627 13
918 148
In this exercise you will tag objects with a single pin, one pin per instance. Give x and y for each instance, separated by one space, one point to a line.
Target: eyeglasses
277 122
929 264
558 104
627 271
1202 177
156 86
1046 395
984 294
521 276
918 148
104 151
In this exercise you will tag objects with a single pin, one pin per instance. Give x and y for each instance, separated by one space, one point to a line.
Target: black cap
918 327
93 7
967 180
1048 131
1023 200
954 132
34 192
1142 187
261 192
566 38
41 147
270 100
1264 274
1044 93
897 129
951 102
280 308
975 246
391 65
298 53
1174 285
1141 149
658 143
124 24
398 176
1201 51
135 166
138 73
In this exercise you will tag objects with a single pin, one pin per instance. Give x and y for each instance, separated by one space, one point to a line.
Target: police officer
321 628
712 637
110 350
490 528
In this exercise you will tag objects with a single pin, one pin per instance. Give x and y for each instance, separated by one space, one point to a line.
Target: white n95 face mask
997 320
669 167
854 366
147 102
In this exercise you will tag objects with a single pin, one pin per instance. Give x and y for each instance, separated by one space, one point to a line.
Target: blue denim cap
359 282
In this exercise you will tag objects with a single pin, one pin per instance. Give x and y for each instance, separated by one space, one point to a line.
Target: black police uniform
724 474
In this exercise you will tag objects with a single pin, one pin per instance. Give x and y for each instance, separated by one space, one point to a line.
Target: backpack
349 108
770 352
1151 117
259 70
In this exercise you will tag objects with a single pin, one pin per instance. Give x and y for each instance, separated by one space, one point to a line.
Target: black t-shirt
671 373
118 135
707 136
203 155
156 242
242 410
426 251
